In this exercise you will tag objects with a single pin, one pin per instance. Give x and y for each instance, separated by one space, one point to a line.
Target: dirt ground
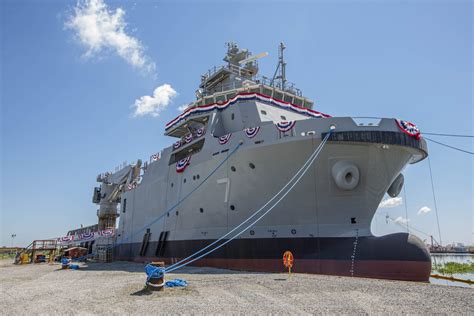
118 288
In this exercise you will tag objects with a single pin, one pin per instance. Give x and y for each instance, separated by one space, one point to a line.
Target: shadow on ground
133 267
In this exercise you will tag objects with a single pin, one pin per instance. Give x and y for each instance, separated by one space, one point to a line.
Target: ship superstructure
324 221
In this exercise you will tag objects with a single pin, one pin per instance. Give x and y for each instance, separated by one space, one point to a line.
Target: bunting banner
246 96
86 236
285 126
200 132
251 132
409 128
155 157
66 239
106 233
177 144
188 138
182 164
224 139
132 186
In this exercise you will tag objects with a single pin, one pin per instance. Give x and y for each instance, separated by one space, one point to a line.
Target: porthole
232 116
232 168
168 214
197 177
172 184
263 112
252 166
283 117
232 207
194 177
293 231
177 213
184 180
252 232
201 210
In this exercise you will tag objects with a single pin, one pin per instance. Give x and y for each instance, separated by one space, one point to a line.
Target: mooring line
434 200
301 172
449 146
171 208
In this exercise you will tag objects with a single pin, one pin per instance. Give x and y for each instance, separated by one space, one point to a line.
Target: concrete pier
118 288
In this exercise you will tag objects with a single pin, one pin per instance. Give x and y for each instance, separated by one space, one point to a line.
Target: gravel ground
117 288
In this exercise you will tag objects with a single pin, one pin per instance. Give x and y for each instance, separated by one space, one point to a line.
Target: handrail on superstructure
290 87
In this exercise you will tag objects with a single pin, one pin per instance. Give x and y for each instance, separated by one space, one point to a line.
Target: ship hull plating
397 256
328 228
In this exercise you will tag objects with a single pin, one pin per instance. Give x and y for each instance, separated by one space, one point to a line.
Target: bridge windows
277 95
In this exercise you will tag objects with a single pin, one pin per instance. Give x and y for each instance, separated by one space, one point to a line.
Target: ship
239 143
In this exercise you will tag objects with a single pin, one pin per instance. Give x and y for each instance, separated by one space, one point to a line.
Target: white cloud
391 202
424 210
100 29
153 105
183 107
401 220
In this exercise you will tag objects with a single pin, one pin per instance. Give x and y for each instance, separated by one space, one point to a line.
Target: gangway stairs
47 247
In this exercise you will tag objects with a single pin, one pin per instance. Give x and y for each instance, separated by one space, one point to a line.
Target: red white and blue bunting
182 164
224 139
285 126
106 233
155 157
251 132
86 236
188 138
66 239
132 186
200 132
409 128
246 97
177 144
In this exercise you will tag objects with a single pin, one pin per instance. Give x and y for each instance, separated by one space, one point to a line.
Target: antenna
252 58
281 67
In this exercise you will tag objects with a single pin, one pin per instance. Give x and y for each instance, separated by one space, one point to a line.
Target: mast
281 68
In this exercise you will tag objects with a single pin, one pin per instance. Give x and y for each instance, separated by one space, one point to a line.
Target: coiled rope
288 187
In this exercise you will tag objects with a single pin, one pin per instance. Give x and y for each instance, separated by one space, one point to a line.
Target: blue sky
67 99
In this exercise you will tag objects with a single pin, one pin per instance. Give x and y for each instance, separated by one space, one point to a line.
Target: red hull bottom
380 269
399 256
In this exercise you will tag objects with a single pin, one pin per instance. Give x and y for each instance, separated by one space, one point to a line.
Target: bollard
156 284
64 263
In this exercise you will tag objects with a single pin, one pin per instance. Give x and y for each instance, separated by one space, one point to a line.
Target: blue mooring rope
301 172
171 208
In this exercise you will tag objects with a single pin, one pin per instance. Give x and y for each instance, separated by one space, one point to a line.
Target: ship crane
109 193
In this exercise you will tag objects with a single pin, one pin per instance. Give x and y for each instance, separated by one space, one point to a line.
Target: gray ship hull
326 228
